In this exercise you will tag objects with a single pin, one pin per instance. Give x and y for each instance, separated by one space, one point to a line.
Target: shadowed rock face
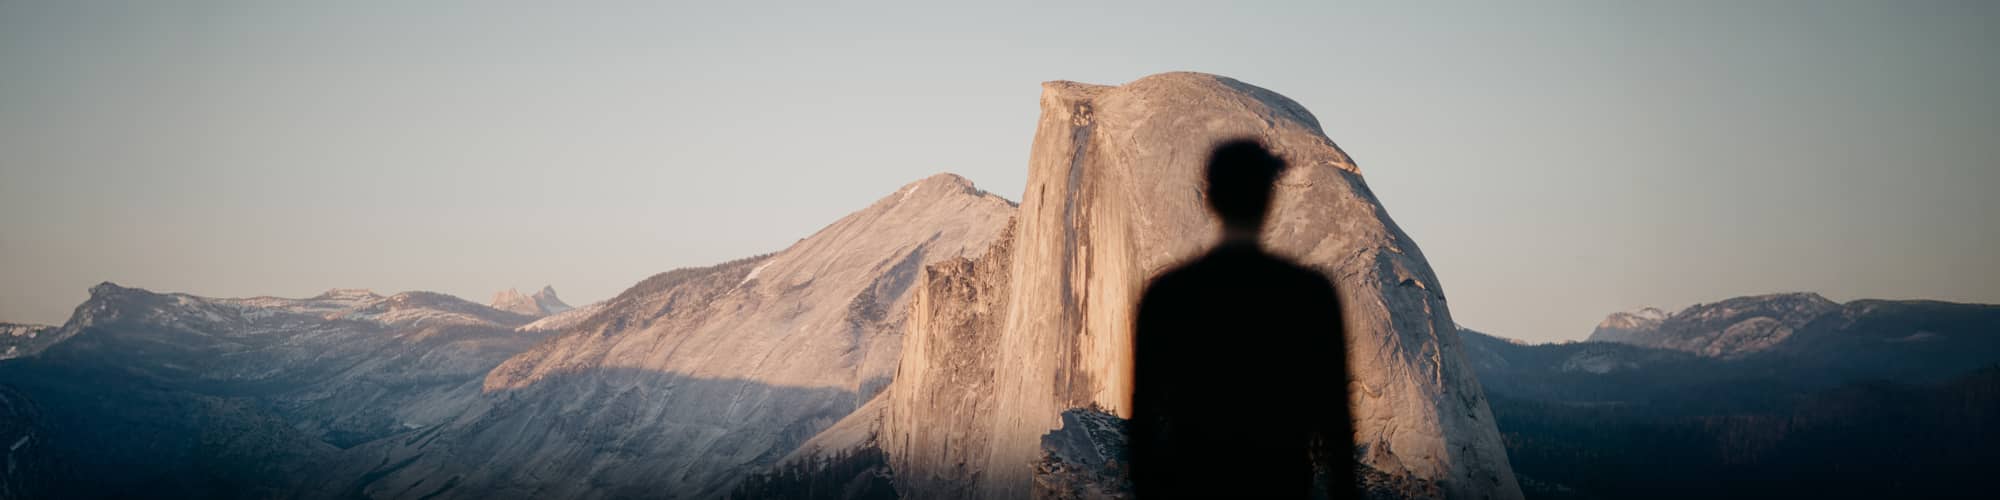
1114 198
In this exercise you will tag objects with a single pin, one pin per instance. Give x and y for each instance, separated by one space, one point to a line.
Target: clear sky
1556 162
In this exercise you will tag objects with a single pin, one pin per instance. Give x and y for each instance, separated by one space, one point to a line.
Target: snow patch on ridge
753 272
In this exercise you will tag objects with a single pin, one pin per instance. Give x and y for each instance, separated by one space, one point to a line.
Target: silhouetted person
1241 362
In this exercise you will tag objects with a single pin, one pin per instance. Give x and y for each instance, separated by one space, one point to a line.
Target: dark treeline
845 475
1864 439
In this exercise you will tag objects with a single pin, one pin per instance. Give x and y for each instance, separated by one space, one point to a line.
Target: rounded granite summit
1114 197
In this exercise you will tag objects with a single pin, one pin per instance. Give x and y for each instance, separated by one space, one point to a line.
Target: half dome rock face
1114 198
684 383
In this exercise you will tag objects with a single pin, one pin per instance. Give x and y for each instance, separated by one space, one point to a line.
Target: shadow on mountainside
607 432
602 432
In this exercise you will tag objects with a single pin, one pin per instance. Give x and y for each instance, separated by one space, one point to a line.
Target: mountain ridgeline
1788 395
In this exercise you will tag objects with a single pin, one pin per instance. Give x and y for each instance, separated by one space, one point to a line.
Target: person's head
1241 174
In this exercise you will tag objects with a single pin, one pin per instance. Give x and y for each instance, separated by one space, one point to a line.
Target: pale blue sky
1555 161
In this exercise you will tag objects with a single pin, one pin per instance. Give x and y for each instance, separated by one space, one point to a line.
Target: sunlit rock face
693 378
999 347
1729 329
543 303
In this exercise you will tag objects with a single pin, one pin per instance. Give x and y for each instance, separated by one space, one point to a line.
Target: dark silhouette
1241 363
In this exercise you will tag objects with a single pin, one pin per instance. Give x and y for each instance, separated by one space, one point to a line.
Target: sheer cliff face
1114 198
691 378
937 424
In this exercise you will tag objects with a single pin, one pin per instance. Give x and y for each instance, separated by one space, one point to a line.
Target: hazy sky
1555 162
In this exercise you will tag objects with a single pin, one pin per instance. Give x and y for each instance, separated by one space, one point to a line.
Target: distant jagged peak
543 303
1637 318
508 299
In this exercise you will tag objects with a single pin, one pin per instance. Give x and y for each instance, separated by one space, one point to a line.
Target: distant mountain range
1787 395
150 394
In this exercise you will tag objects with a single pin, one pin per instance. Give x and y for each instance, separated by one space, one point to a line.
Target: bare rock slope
543 303
689 380
1000 346
1729 329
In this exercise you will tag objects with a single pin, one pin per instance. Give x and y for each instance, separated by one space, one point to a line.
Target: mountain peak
542 303
108 288
929 189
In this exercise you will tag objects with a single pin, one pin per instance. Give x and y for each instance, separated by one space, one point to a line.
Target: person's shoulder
1169 282
1174 274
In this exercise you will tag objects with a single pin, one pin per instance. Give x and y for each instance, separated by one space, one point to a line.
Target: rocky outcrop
19 340
1629 325
1084 459
999 348
937 426
1728 329
694 378
542 303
